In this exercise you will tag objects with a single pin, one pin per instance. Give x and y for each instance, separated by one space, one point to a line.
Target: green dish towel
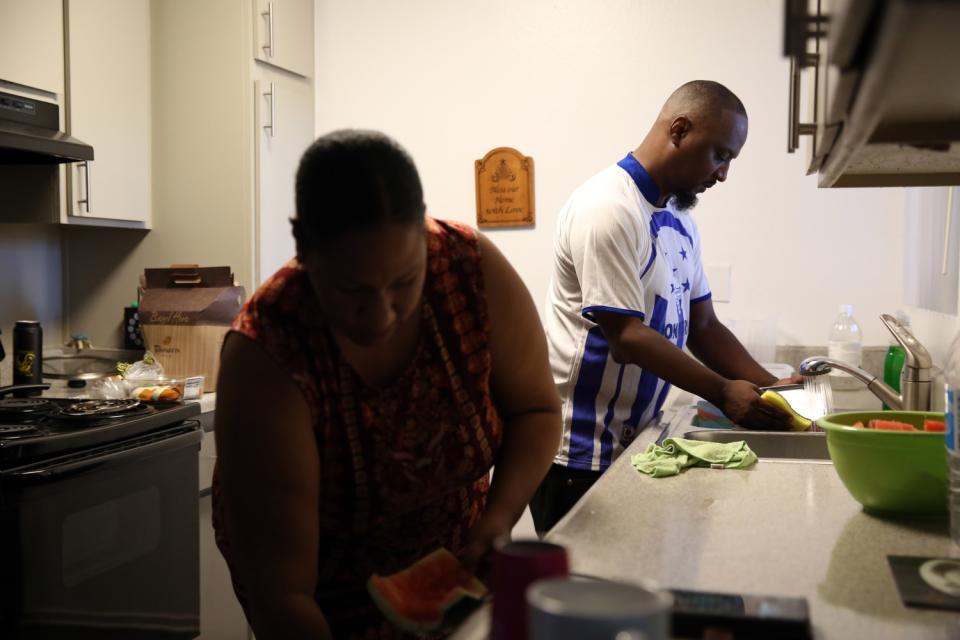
677 454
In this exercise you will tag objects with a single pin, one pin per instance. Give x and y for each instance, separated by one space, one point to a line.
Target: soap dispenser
894 359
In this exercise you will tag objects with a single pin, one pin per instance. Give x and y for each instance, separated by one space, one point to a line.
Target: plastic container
845 342
575 609
952 378
165 389
894 359
159 390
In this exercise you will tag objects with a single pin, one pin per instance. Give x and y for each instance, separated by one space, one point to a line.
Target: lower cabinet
221 617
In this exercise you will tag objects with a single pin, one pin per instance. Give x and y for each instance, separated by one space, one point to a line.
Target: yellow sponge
774 399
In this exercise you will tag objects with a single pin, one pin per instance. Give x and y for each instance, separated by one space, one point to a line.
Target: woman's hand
491 529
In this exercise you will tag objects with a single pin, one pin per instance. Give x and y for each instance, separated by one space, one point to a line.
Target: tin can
28 353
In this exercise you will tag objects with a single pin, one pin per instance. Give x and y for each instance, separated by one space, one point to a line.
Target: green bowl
889 472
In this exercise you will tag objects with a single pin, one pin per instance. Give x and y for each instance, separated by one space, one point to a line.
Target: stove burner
88 415
24 406
89 408
15 429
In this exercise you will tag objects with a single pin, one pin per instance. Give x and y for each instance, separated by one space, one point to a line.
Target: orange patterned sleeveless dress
404 468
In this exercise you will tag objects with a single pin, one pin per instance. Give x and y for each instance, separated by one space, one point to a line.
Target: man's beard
684 200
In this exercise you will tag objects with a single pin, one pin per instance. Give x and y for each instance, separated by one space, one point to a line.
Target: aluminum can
28 353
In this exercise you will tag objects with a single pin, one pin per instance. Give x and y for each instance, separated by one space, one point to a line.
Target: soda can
28 353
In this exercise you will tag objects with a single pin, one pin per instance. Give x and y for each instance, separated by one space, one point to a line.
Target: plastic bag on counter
109 388
147 369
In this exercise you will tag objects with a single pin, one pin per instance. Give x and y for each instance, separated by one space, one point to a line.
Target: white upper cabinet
283 34
108 106
31 44
932 249
284 129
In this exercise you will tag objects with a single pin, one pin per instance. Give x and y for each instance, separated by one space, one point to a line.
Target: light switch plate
718 275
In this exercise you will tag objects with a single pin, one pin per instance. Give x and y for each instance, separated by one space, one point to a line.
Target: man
628 292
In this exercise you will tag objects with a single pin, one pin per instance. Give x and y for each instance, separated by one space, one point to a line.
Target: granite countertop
781 528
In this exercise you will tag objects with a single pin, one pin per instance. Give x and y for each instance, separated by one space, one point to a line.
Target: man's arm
715 346
633 342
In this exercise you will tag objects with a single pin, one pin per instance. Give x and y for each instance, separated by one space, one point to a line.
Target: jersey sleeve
609 250
699 286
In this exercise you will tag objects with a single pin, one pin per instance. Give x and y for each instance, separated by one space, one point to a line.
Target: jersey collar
648 188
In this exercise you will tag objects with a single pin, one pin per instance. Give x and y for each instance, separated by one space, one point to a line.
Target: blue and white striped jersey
615 251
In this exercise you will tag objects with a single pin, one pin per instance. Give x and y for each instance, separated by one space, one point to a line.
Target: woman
365 391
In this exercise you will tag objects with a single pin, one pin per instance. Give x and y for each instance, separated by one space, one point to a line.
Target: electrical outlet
718 275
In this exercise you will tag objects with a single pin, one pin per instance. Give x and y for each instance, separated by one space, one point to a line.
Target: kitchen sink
770 444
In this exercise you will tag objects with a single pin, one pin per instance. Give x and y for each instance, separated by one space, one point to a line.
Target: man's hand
741 403
794 379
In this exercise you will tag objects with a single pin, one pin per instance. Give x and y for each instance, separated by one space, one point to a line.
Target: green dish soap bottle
893 361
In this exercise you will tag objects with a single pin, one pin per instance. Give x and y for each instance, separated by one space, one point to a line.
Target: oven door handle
120 452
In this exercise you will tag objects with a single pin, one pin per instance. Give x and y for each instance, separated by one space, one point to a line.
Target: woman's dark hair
350 180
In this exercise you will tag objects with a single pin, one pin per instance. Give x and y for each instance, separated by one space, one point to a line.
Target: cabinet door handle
85 200
795 128
946 233
268 14
272 94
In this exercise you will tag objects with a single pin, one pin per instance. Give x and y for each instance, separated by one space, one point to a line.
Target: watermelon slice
890 425
938 426
424 596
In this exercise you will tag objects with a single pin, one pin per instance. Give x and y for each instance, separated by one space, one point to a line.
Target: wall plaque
504 189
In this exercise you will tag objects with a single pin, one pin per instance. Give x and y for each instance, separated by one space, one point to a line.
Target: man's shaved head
700 130
701 98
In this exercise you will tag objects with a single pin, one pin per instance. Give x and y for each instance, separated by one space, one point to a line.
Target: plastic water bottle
952 376
846 341
894 359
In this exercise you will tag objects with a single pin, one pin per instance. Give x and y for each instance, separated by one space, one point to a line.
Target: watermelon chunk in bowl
894 463
429 595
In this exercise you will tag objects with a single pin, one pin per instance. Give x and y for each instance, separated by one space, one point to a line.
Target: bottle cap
846 309
902 317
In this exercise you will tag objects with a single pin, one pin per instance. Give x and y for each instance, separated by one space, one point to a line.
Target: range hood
30 134
886 90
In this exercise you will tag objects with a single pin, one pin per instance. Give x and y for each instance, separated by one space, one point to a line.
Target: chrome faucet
915 385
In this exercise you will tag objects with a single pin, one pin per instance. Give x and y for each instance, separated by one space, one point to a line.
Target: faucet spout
819 365
915 383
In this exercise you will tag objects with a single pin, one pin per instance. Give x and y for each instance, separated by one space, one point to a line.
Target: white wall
30 284
576 85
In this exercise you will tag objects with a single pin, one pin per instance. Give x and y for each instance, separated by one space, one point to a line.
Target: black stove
32 428
99 526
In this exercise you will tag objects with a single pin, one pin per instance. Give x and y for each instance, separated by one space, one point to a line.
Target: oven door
103 543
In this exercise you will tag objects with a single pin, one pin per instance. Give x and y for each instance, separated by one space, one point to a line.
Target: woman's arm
269 474
525 396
